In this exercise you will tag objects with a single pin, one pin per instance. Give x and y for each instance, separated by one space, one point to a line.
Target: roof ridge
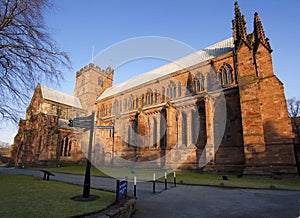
60 97
205 54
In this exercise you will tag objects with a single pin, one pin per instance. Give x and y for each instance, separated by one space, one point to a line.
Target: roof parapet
92 66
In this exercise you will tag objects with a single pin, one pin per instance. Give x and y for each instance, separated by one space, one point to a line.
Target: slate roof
185 62
60 97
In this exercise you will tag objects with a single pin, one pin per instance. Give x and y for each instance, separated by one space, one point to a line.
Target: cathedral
220 109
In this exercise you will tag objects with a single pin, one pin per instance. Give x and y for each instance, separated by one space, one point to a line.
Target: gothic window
125 104
100 82
154 133
120 106
184 128
149 96
163 94
70 146
128 136
115 107
143 100
162 130
136 102
65 147
189 85
168 93
195 127
198 89
194 84
208 82
131 103
229 76
179 89
61 147
174 91
172 88
220 78
200 82
156 97
225 74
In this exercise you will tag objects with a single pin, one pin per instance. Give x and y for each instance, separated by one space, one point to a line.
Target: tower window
100 82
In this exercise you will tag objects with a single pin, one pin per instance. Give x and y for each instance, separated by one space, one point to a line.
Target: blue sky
79 26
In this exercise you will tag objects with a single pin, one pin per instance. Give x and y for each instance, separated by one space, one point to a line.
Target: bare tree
28 54
293 107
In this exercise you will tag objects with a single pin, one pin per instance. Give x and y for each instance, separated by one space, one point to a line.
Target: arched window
143 100
131 102
194 84
102 110
225 74
195 127
65 147
62 147
149 97
70 147
100 82
208 82
125 104
168 93
120 103
179 89
156 94
198 89
154 133
200 82
163 94
115 107
190 84
129 136
136 102
184 128
172 90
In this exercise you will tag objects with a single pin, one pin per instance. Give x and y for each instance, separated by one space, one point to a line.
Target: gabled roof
182 63
59 97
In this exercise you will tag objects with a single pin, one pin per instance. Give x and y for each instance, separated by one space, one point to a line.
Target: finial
239 26
259 33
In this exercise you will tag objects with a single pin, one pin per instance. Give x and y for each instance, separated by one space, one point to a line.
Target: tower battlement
92 66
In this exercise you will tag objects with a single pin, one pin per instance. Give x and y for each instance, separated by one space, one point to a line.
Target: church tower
91 82
267 130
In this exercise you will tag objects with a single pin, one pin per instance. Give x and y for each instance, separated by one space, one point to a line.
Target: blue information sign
121 189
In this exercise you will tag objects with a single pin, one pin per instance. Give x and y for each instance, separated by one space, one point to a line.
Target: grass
233 181
27 196
187 178
106 172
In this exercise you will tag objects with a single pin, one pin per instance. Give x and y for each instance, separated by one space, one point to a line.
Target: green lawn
107 172
27 196
233 181
187 178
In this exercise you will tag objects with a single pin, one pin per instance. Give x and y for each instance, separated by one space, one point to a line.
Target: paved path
195 201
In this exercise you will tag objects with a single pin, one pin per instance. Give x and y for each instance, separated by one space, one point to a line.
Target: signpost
87 123
121 191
